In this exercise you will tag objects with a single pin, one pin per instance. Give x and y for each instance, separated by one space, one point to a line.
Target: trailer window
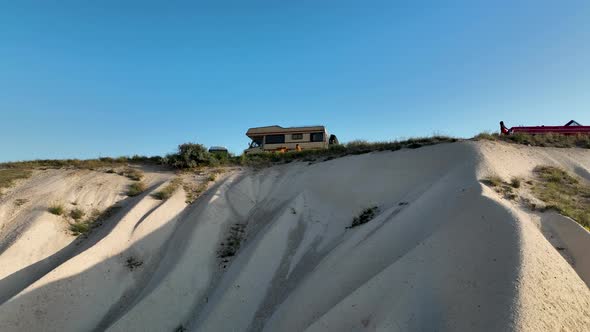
317 137
275 139
296 137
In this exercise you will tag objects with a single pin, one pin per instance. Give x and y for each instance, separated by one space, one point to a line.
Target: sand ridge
444 252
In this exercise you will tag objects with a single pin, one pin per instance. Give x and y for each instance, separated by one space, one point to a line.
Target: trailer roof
280 130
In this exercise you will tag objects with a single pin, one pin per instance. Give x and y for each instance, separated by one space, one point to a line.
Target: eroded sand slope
443 253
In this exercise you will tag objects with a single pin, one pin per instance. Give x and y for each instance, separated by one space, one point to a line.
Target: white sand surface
444 252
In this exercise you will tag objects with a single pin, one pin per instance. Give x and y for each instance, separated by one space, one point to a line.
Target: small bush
133 263
77 214
211 178
366 215
136 188
168 190
80 228
501 187
233 241
493 181
515 182
193 191
93 221
56 209
20 201
132 174
190 155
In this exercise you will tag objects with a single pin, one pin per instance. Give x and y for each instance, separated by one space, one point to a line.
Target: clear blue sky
108 78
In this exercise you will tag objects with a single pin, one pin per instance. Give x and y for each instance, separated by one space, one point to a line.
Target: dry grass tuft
563 193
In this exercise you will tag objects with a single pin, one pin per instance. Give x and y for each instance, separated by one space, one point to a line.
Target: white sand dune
443 253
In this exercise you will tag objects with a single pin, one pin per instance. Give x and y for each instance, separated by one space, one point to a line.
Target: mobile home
277 138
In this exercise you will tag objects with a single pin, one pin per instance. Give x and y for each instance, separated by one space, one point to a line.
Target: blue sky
108 78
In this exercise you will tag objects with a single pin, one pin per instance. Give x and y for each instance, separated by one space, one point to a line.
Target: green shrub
515 182
366 215
133 263
136 188
20 201
80 228
77 214
232 242
132 174
56 209
190 155
168 190
493 181
94 220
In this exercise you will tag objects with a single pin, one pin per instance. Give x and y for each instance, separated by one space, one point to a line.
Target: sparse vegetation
515 182
80 228
56 208
193 191
366 215
94 220
168 190
563 193
132 174
232 243
77 214
20 201
81 164
493 181
336 151
501 187
212 177
544 140
136 188
133 263
9 176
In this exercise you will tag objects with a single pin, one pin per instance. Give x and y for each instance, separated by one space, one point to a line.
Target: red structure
570 128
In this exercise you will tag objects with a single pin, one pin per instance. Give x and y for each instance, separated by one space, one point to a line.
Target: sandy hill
271 249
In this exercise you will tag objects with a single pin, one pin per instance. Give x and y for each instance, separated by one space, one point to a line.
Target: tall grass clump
56 208
132 174
492 180
168 190
233 241
94 220
366 215
563 193
136 188
77 214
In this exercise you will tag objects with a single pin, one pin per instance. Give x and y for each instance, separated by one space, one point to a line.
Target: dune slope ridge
271 250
